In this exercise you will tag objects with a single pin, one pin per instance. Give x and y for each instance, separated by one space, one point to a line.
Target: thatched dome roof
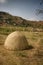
16 41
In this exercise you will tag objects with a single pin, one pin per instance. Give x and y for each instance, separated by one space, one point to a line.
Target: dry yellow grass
33 56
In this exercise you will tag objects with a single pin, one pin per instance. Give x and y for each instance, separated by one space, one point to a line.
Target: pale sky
23 8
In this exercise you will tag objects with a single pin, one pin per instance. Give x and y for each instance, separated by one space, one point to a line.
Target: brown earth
32 56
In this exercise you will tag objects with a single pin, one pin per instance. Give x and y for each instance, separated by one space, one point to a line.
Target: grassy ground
33 56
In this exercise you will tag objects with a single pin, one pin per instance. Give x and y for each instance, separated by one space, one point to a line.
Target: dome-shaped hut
16 41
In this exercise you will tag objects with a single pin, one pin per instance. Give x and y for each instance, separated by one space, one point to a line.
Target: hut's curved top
16 41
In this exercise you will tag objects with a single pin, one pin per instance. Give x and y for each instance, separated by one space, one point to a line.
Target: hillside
6 18
32 30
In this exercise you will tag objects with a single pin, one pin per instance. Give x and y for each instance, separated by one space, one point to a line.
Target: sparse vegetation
7 19
34 34
25 57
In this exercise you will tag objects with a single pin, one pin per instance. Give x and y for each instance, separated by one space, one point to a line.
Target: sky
27 9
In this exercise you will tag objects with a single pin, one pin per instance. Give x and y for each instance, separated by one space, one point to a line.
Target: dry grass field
31 56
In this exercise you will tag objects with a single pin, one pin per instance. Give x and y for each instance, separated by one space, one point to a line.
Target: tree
41 2
40 11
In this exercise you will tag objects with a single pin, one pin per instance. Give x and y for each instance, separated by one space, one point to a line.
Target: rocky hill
6 18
